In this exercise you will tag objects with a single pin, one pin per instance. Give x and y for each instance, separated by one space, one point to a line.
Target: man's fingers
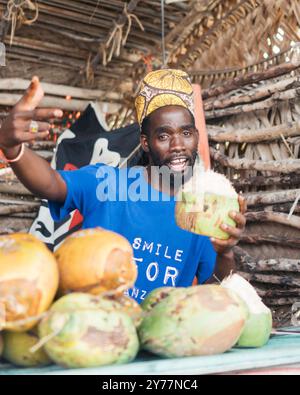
238 218
41 114
41 127
32 97
242 203
223 244
233 232
26 137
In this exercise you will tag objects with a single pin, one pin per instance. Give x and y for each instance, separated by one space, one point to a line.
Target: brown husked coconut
95 261
28 280
204 203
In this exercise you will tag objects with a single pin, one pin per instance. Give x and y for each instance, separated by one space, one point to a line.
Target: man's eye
163 137
187 133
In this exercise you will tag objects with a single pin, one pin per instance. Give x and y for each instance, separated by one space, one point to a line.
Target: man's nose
177 144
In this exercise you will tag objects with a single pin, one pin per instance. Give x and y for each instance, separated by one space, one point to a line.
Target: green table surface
280 350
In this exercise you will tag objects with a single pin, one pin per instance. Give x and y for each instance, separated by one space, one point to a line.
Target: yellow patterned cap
162 88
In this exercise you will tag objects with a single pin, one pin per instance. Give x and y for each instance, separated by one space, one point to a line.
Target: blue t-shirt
121 200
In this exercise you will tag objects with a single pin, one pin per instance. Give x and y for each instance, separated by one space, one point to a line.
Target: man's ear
144 142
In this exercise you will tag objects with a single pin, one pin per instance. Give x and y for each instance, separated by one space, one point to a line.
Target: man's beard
175 177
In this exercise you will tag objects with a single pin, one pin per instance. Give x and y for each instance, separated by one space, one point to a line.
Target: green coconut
17 349
129 306
120 302
198 320
82 330
204 203
155 297
258 326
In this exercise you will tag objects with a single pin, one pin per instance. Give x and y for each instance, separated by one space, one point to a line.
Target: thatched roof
108 44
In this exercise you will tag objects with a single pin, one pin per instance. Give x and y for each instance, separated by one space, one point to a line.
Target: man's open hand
15 129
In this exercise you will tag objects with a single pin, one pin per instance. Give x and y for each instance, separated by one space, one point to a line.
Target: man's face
172 139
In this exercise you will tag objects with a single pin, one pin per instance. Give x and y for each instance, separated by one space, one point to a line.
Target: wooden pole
264 91
271 197
222 135
284 280
270 216
203 146
259 105
262 181
257 239
250 78
10 99
12 84
279 166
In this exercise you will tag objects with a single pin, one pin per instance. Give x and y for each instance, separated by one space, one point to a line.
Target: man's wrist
227 254
13 152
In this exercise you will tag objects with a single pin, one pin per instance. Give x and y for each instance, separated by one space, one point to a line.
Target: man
137 203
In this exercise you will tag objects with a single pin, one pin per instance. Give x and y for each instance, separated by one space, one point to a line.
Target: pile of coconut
69 307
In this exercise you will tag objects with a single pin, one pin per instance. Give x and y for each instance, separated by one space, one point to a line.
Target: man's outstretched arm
33 171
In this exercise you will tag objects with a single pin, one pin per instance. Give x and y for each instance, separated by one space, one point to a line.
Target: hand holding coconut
208 205
234 232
